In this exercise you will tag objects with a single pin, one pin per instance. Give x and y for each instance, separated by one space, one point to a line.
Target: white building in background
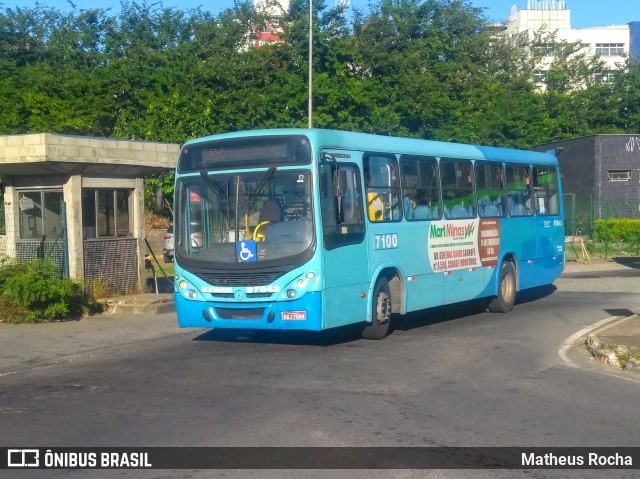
614 44
271 8
272 30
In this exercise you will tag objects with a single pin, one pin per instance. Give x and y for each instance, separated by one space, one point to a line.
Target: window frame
502 204
471 192
545 194
394 192
527 182
611 173
341 229
610 49
419 161
42 224
92 212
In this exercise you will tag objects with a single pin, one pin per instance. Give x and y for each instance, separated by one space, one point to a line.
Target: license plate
294 315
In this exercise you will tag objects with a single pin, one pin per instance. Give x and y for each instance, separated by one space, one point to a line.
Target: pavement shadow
628 261
535 294
351 333
330 337
622 312
440 314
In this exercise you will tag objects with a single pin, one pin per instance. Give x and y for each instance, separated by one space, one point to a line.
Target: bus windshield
272 208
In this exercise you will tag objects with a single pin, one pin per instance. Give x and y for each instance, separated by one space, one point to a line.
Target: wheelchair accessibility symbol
246 251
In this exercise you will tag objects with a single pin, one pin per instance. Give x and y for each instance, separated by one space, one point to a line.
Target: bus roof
337 139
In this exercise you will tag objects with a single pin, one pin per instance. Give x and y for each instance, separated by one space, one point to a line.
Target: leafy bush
35 291
620 231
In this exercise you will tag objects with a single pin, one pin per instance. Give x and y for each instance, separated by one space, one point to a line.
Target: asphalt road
452 377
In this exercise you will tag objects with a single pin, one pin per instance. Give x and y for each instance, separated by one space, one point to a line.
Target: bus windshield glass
269 210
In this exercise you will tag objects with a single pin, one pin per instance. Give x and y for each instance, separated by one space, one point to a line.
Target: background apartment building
272 30
613 44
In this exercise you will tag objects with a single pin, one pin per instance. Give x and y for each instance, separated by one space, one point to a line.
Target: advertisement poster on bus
464 244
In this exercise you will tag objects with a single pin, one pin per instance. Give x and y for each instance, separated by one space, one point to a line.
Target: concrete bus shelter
80 200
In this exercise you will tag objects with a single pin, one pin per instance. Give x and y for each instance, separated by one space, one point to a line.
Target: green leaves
34 291
427 69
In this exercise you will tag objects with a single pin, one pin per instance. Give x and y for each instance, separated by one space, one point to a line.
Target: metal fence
592 220
111 265
579 215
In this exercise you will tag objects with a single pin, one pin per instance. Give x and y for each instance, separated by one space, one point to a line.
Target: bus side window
545 188
420 188
490 187
519 201
458 194
383 185
327 201
342 217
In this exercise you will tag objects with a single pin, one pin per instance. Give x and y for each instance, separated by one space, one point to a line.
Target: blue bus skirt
304 313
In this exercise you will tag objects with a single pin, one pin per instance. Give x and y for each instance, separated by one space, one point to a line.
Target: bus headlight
291 293
301 283
310 275
192 294
182 284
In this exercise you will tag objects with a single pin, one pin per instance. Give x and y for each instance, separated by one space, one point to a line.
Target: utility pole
310 107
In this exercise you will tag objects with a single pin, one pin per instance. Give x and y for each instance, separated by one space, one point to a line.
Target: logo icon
246 251
239 295
23 458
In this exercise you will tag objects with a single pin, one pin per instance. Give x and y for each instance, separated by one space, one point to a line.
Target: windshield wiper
270 172
215 187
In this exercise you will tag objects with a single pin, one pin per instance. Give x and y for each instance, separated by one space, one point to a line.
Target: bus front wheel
381 312
503 303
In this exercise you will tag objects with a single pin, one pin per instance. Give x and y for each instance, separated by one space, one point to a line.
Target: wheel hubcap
384 309
507 287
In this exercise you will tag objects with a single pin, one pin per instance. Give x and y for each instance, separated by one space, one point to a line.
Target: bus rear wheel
503 303
381 312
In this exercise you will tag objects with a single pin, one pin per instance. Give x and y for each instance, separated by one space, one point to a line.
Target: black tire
503 303
381 312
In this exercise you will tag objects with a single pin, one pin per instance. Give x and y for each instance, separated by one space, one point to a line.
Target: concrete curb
610 354
140 304
633 365
601 352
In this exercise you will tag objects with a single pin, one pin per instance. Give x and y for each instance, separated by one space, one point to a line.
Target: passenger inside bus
487 208
409 206
270 213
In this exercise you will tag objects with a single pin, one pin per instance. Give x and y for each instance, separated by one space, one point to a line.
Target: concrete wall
46 147
585 164
71 163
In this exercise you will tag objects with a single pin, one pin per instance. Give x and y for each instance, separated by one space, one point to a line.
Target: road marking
571 341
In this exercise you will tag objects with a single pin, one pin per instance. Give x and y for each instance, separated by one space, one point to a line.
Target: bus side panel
423 287
520 235
550 248
490 281
463 284
345 278
424 292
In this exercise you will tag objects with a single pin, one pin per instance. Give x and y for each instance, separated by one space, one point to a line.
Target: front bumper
304 313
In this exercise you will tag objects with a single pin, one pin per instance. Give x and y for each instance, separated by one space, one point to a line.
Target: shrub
35 291
620 231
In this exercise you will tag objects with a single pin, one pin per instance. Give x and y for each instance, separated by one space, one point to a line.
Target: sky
584 13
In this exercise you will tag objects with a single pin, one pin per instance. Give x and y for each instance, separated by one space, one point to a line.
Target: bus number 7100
388 241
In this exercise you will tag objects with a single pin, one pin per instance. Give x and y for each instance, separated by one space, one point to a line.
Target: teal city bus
313 229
